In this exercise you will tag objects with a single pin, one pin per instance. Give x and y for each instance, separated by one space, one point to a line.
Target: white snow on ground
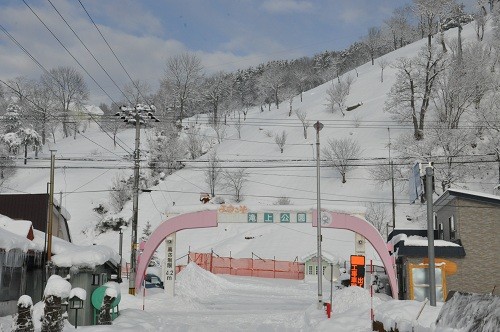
207 302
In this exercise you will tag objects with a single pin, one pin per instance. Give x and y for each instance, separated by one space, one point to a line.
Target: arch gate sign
348 218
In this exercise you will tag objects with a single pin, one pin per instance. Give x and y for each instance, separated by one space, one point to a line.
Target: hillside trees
235 180
341 154
213 172
463 85
429 12
373 42
411 94
215 88
183 77
67 87
302 116
272 81
165 151
138 92
336 95
280 140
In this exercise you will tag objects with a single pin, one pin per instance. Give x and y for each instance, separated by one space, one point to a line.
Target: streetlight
135 116
318 126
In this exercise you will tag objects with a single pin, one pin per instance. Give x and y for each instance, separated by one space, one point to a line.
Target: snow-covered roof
329 257
92 109
419 241
86 109
19 227
469 194
67 254
13 236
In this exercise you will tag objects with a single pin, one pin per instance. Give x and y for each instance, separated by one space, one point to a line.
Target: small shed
311 262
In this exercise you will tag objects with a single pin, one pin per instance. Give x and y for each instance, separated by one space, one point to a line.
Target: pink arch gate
205 219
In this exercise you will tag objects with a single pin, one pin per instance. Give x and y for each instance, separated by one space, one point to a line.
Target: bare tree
302 115
429 12
411 94
235 181
213 172
220 130
68 88
336 96
373 42
340 154
183 74
238 125
382 63
271 82
377 215
194 143
215 90
121 192
280 139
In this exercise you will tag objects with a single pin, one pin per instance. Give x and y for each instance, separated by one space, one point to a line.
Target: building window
95 280
435 220
441 232
324 268
310 270
104 278
316 270
453 229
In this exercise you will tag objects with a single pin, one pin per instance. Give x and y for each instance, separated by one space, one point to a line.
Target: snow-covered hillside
85 183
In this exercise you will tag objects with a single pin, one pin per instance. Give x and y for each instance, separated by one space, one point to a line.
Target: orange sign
357 270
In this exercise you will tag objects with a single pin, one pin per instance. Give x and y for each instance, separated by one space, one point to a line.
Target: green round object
98 296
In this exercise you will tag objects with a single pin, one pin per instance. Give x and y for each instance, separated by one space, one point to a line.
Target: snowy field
207 302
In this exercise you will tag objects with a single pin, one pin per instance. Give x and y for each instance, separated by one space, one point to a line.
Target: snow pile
195 282
351 297
25 301
79 293
57 286
471 312
403 314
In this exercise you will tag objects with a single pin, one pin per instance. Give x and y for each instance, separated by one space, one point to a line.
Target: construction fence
248 267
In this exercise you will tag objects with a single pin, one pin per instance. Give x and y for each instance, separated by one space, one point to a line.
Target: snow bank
57 286
195 282
403 314
351 297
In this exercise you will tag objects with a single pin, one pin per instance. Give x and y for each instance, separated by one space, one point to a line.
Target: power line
111 49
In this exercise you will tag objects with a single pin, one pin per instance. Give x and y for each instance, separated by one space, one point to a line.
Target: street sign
332 273
358 271
252 217
268 217
301 217
285 217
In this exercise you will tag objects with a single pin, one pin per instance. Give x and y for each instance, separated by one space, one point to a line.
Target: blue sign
252 217
301 217
268 217
285 217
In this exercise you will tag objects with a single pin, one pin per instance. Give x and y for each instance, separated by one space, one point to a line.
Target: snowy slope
84 188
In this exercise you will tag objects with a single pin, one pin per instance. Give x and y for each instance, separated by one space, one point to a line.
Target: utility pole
50 207
135 207
135 116
318 126
429 173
